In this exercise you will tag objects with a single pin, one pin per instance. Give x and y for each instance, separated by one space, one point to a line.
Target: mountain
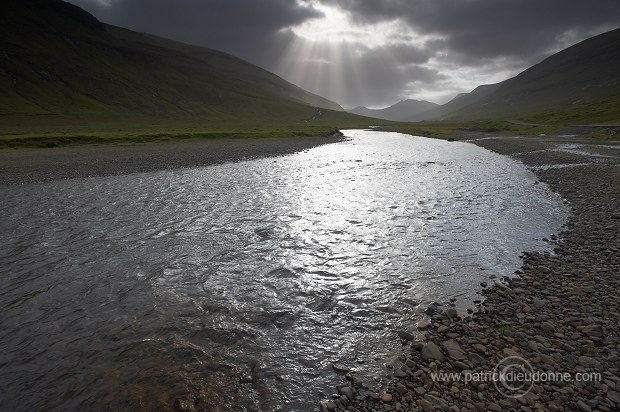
402 111
56 58
580 83
460 101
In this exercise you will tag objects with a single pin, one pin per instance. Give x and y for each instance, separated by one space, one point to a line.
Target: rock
480 348
420 390
508 403
584 407
346 391
494 407
423 324
454 350
614 397
511 352
405 335
475 358
548 326
461 365
592 331
587 362
452 313
545 270
400 373
184 405
426 405
387 397
401 389
340 368
435 400
433 309
442 329
431 351
330 406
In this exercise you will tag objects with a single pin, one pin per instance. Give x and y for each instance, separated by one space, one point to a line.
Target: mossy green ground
54 131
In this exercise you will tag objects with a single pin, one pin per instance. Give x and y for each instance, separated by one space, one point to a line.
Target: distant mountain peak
401 111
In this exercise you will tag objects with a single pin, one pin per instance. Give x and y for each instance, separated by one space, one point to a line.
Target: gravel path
557 321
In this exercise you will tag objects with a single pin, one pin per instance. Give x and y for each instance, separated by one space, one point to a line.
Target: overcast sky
374 52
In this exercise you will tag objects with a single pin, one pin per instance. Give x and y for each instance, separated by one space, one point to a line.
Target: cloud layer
373 52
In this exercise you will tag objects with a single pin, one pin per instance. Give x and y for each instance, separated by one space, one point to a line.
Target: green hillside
58 60
460 101
580 84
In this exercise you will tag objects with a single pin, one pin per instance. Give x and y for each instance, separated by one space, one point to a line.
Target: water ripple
244 282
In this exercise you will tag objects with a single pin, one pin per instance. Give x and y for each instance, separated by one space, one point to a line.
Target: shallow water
245 282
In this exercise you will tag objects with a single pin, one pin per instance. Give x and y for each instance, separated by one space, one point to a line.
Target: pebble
592 331
405 335
431 351
559 314
480 348
454 350
387 397
584 407
423 324
494 407
426 405
548 326
345 390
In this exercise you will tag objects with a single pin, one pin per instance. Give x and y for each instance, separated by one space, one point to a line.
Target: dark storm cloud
406 53
485 38
480 29
250 29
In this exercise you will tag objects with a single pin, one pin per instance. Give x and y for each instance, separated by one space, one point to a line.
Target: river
239 286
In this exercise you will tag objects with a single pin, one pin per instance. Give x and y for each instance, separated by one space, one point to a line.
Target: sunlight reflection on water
246 281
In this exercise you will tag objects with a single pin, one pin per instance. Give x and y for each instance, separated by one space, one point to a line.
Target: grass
604 111
154 136
38 131
115 86
447 130
505 328
17 132
66 79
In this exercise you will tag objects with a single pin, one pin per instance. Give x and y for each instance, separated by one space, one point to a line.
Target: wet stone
431 351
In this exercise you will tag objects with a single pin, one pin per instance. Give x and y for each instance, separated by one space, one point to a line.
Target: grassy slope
53 131
66 78
459 102
58 59
580 84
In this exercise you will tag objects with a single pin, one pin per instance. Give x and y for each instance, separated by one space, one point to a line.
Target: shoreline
23 166
561 314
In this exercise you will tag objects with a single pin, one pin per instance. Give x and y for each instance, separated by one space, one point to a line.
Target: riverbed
254 284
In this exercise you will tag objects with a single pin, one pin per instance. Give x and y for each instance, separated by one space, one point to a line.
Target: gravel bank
39 165
560 315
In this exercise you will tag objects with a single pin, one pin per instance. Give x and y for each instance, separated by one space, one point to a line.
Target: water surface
239 285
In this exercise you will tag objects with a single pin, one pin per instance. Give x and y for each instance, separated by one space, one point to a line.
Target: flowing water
240 285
